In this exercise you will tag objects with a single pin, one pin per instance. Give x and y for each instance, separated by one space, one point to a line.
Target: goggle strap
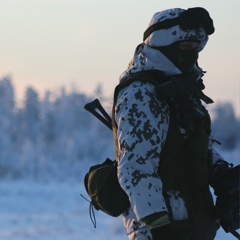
161 25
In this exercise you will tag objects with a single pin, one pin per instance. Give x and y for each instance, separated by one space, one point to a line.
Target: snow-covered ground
47 211
51 211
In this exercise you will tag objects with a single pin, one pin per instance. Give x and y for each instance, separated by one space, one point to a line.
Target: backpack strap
115 139
154 77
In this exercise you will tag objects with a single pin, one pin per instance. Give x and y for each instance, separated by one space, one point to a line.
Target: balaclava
183 60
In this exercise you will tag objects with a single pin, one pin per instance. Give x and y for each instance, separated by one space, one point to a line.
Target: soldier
163 132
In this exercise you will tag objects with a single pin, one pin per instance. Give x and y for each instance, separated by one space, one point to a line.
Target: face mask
185 60
182 59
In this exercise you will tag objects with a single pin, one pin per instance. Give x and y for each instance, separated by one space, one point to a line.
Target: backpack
102 186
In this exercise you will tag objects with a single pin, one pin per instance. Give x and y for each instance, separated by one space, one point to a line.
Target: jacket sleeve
142 123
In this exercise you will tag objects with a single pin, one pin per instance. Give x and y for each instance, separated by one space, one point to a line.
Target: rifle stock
96 108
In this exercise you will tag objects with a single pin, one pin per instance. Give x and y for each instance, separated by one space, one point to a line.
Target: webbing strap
115 138
161 25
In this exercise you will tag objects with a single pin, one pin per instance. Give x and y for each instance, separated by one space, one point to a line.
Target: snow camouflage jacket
143 125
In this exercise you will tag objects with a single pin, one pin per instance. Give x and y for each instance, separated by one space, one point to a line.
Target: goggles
190 19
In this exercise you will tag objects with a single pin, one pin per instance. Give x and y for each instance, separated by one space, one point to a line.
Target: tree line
54 137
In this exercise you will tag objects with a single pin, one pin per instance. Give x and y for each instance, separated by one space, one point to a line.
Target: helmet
174 25
171 28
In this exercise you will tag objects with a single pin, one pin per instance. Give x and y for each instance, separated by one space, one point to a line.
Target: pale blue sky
47 44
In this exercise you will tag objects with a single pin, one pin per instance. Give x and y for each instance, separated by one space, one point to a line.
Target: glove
218 179
225 181
227 211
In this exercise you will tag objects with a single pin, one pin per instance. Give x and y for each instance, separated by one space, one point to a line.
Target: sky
79 44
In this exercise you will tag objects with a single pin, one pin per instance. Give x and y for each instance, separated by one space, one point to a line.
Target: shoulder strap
154 77
115 138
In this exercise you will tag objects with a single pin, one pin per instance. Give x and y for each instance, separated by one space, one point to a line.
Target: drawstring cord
91 212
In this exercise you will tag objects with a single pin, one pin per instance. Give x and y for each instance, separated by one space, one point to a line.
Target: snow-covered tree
55 137
8 126
226 126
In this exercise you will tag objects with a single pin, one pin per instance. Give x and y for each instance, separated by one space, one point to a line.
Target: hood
146 59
